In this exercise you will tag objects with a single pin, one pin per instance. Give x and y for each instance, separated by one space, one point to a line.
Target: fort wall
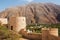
17 23
3 20
50 34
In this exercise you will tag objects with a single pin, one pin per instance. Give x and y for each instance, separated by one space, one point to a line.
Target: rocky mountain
43 13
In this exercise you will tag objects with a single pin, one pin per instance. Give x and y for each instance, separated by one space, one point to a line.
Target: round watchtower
17 23
20 23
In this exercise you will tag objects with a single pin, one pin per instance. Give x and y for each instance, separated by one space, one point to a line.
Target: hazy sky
9 3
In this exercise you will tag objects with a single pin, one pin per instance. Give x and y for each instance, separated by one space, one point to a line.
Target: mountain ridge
35 13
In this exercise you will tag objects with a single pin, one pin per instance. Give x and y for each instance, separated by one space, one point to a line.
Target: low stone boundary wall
47 34
30 36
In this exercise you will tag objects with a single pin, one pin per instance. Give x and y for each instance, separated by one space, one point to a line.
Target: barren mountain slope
35 13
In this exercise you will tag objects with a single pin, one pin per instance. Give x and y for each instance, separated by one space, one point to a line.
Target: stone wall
50 34
12 23
58 38
17 23
30 36
45 33
54 31
20 23
3 20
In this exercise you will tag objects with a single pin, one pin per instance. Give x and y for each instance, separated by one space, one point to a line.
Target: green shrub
6 34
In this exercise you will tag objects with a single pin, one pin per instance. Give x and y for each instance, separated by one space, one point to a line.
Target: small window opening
31 21
11 27
7 26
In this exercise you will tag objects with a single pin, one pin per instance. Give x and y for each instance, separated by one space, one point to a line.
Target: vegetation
44 25
6 34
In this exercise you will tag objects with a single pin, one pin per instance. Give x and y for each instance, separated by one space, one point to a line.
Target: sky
12 3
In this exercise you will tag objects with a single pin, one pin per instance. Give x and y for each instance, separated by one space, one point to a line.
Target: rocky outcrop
41 13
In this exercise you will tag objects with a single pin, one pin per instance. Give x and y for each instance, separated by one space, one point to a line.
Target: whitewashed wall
20 23
3 20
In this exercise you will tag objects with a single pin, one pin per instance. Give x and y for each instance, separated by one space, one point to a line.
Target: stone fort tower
17 23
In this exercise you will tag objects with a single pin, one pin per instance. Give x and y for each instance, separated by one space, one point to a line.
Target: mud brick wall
50 34
17 23
45 33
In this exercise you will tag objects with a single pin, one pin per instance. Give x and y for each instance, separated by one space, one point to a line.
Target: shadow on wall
52 37
58 17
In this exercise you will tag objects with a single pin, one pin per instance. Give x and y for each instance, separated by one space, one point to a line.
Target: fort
47 34
14 23
18 24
